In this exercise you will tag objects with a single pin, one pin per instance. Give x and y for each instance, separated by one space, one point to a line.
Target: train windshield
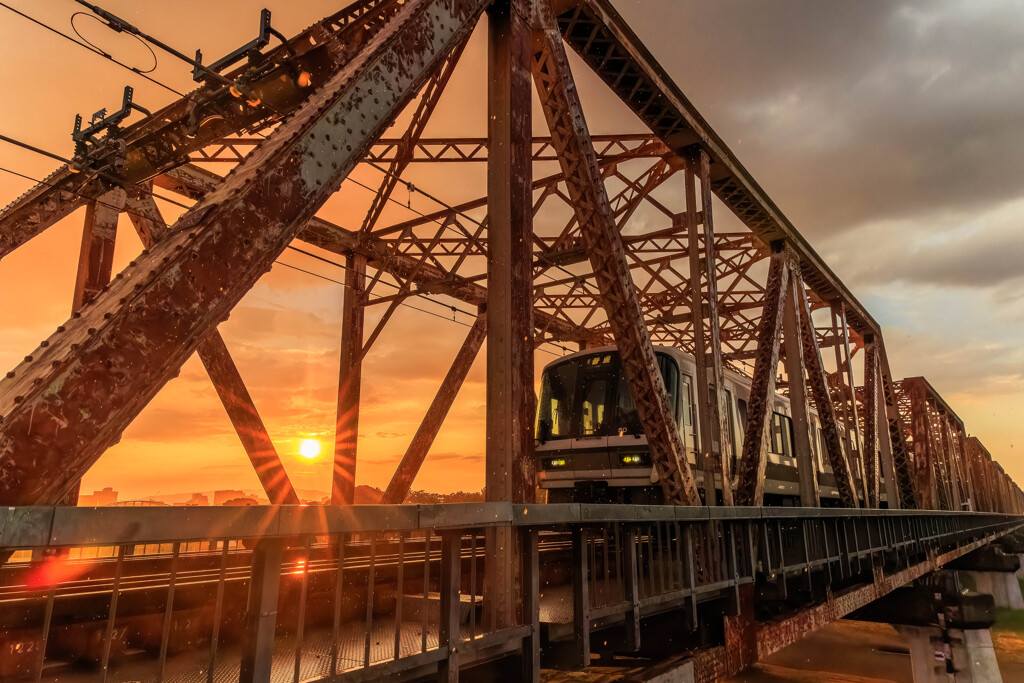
588 396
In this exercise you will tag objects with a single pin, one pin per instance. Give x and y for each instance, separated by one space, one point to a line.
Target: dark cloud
851 112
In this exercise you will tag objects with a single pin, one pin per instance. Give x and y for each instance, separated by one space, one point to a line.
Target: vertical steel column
844 368
629 568
96 259
346 431
95 263
421 442
705 459
708 348
510 401
870 452
581 596
924 467
841 469
720 414
903 467
531 604
795 373
952 460
261 612
448 628
750 489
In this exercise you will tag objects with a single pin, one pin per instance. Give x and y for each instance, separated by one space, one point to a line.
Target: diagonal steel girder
571 138
72 397
194 182
224 375
596 32
165 139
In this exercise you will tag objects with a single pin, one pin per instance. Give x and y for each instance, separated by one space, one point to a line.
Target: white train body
591 448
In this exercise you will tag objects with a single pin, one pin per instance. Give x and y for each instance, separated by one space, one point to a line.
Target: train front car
590 444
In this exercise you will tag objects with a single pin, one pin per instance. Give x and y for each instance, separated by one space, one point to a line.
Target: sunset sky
890 133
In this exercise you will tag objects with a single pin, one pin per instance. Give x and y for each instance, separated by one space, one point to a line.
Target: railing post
531 605
632 590
261 611
581 596
449 582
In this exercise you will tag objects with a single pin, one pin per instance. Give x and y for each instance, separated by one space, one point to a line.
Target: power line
281 263
96 51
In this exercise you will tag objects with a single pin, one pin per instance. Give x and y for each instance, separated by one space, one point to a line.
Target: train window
686 400
556 397
627 420
595 396
782 435
732 423
670 375
741 408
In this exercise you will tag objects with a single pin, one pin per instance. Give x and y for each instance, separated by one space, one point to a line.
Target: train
590 445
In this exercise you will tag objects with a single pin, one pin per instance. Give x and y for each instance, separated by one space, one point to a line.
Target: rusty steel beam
870 452
162 141
607 44
227 381
720 407
96 260
848 404
903 466
796 372
832 441
570 137
924 455
447 150
246 420
346 429
705 457
195 182
71 399
416 453
750 488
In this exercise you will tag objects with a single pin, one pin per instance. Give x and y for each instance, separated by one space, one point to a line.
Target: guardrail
367 592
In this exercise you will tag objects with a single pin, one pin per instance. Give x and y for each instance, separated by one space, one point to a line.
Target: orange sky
284 335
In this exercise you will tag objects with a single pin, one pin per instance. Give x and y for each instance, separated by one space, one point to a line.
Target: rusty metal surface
750 489
164 140
82 387
571 138
231 389
830 437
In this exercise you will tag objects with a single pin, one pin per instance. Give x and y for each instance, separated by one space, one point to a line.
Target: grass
1009 621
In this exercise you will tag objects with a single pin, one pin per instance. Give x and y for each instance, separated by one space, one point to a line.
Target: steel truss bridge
551 253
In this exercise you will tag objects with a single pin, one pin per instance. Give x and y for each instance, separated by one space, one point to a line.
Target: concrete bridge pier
1002 586
946 630
951 655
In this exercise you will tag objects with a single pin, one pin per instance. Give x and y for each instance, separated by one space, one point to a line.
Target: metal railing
315 593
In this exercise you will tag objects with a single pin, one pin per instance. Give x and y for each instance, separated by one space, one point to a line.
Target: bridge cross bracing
552 253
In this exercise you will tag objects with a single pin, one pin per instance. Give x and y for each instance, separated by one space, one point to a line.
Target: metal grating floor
315 662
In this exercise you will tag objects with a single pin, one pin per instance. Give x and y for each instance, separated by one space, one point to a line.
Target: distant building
107 496
243 501
149 503
221 497
198 499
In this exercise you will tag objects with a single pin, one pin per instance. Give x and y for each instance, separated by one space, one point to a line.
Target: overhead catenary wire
342 266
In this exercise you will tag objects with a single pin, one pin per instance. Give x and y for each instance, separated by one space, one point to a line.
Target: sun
309 448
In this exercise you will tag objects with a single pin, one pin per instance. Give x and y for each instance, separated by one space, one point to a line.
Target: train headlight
633 460
555 463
